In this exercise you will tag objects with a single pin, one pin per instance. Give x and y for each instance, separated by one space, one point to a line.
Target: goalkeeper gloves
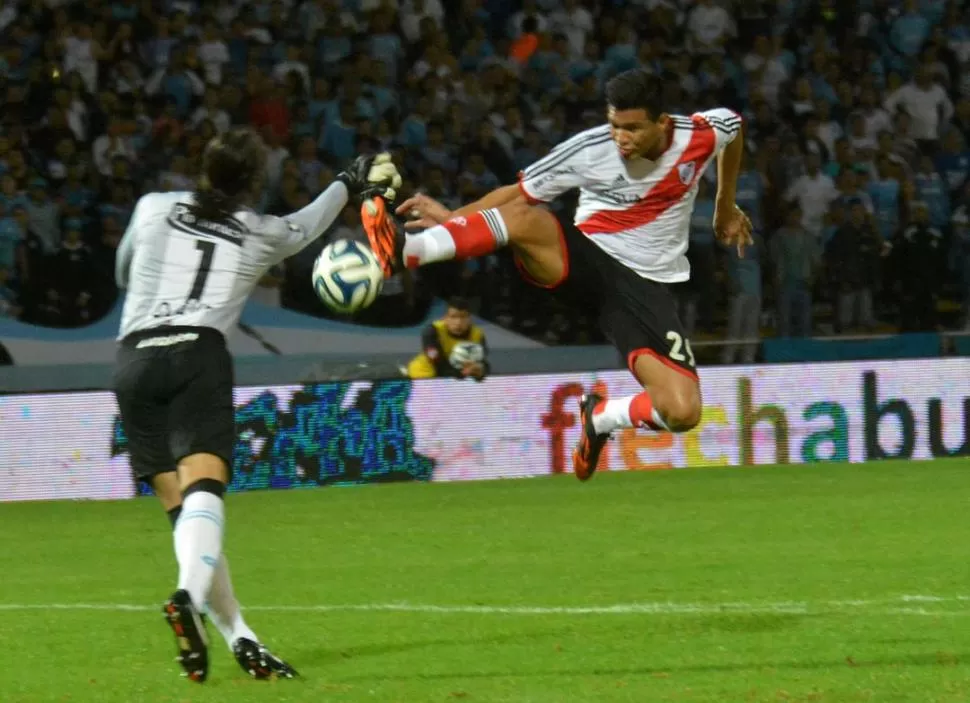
371 176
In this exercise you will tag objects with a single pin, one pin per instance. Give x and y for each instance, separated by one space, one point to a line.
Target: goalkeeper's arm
367 176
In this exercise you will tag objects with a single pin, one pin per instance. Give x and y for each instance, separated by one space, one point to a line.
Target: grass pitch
821 583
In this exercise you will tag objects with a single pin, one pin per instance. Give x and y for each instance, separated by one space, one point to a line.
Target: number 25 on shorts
678 347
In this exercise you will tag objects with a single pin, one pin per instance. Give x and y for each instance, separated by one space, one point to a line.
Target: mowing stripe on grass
899 605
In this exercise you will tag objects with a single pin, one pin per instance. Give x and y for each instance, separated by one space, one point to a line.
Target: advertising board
69 446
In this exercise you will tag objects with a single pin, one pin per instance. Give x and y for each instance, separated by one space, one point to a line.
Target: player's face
457 322
634 133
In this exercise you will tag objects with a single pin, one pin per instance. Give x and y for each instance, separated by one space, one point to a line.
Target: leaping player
637 178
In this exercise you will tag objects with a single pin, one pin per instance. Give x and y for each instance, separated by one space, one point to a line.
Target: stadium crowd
857 129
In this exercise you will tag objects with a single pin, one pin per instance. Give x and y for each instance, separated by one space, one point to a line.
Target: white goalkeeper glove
371 176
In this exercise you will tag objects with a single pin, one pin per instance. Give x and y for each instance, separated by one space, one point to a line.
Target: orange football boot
587 452
382 235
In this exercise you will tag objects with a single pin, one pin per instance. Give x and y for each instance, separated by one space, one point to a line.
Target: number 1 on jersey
207 248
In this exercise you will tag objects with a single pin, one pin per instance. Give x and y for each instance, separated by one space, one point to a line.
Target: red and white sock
631 411
468 237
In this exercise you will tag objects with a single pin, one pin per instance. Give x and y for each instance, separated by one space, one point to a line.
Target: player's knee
681 411
196 468
523 221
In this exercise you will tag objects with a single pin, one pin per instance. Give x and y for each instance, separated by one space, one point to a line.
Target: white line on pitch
884 605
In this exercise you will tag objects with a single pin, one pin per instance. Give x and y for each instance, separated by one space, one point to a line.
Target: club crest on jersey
686 172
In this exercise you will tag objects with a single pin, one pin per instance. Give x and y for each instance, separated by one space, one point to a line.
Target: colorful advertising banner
58 446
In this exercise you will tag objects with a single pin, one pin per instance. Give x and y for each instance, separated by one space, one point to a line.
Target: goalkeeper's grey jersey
181 270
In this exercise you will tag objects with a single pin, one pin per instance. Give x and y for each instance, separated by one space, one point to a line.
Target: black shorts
174 391
637 315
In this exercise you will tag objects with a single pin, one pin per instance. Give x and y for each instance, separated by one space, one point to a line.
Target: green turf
767 584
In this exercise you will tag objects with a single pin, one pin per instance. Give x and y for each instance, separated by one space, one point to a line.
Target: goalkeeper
452 347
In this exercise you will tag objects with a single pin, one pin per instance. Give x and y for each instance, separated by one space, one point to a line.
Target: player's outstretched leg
670 402
252 656
532 232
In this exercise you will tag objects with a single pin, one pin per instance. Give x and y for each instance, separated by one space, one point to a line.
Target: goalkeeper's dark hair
635 89
233 168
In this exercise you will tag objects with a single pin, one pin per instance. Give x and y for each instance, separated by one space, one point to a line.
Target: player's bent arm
308 223
728 169
497 198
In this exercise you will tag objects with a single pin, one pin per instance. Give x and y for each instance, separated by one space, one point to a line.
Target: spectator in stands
9 307
927 102
960 250
709 26
177 81
813 192
919 259
744 308
698 293
10 237
43 215
844 158
932 190
909 30
877 119
853 261
961 120
953 162
795 255
886 191
476 179
850 190
132 93
73 265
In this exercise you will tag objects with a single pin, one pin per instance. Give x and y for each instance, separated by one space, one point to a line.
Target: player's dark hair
459 303
635 89
233 166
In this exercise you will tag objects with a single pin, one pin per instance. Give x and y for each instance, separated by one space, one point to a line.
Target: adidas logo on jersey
619 180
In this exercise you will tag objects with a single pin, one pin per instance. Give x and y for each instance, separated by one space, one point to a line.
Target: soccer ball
347 276
466 352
